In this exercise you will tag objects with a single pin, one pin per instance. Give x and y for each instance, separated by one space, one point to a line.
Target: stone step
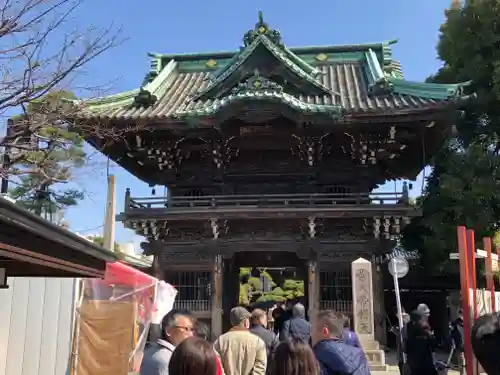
370 345
375 358
383 368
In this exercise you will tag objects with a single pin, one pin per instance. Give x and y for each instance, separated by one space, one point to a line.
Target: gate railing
264 200
193 305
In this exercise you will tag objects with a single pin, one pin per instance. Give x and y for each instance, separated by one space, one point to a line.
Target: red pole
490 285
471 252
464 287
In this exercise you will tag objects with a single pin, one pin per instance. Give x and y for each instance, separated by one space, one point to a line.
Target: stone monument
363 317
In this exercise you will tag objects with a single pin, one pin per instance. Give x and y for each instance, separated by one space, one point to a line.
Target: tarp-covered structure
113 318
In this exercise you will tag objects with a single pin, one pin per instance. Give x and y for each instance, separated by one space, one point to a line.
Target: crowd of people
417 345
294 347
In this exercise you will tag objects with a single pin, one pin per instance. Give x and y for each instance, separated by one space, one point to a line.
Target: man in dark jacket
281 315
297 327
457 342
334 356
258 326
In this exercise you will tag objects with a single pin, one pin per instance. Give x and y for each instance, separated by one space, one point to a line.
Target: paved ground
393 369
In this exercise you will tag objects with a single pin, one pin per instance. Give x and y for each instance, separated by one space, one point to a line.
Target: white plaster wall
36 326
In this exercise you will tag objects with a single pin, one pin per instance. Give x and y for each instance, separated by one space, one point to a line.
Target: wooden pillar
313 289
217 275
379 313
230 284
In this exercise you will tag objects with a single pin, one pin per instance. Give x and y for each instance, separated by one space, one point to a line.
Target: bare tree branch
42 53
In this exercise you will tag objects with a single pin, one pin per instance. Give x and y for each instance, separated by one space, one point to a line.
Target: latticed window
194 288
336 290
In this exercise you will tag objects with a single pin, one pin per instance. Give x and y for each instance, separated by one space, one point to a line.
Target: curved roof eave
283 98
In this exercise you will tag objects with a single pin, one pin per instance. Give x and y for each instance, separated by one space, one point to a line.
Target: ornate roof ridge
247 52
329 48
381 81
109 101
263 35
263 94
429 90
144 96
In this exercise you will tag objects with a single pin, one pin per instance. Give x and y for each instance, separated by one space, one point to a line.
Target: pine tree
99 240
47 162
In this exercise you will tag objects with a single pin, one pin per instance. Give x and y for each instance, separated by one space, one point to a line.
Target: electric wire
89 229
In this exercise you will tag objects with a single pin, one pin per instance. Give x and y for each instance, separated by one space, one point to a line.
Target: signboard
398 267
256 130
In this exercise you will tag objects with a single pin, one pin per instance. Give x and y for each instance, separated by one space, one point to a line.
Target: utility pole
109 220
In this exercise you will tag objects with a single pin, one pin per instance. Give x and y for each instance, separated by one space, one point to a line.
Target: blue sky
202 26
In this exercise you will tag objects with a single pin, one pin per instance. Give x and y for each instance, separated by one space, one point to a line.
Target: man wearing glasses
176 326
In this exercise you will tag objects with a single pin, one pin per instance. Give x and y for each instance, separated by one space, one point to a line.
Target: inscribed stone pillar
362 300
216 325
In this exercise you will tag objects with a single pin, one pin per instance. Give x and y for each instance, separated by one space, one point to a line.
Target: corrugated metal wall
36 326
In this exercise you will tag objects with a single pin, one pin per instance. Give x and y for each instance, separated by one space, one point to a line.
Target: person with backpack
297 327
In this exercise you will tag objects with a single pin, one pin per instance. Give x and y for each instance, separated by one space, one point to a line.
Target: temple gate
272 154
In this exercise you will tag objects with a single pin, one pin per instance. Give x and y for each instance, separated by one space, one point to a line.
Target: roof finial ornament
262 29
456 4
261 17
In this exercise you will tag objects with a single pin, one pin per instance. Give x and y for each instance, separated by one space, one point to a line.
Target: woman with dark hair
294 357
420 345
194 356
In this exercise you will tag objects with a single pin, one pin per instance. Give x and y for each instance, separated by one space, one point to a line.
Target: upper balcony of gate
268 206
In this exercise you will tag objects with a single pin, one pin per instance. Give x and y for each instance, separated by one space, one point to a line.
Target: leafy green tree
277 295
47 161
244 297
463 188
293 288
99 240
245 273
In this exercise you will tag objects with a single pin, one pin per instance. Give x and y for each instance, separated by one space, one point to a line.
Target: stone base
376 359
370 345
380 368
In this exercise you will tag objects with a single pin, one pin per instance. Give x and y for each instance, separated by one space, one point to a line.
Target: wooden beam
331 212
23 255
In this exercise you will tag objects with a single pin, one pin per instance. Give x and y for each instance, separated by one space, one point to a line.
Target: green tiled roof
326 80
